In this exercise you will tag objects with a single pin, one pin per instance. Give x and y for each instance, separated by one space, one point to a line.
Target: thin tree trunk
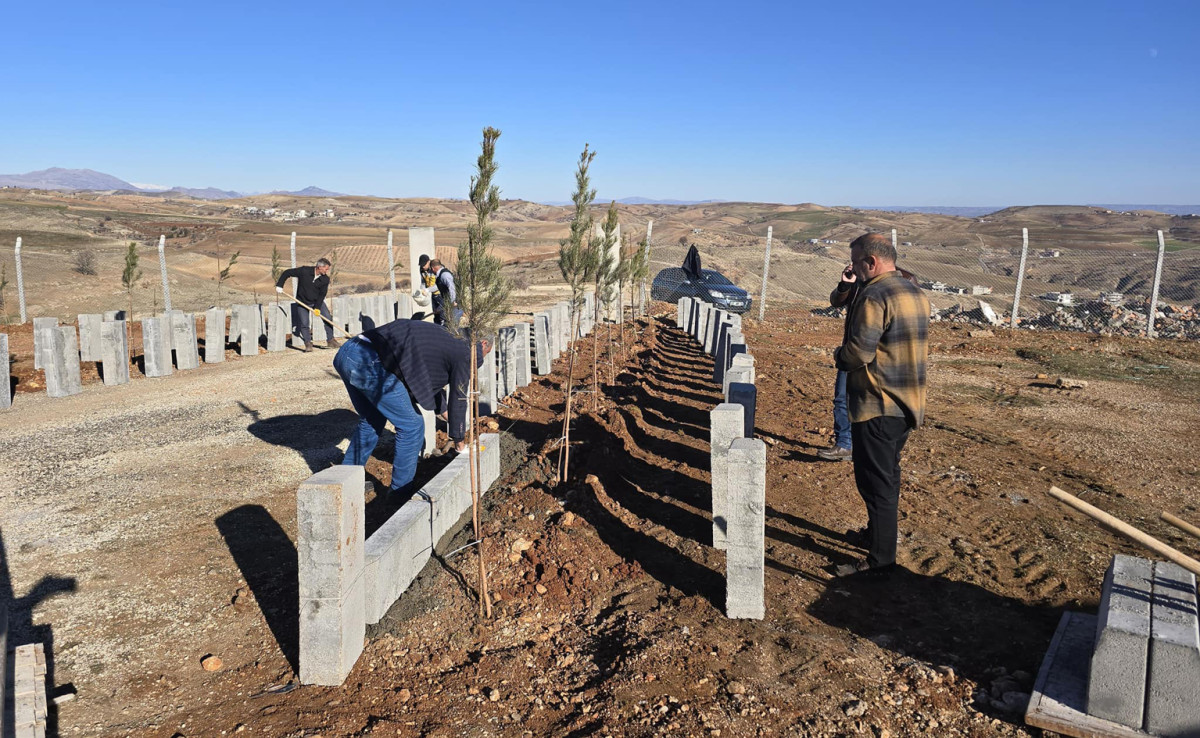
596 366
485 602
564 454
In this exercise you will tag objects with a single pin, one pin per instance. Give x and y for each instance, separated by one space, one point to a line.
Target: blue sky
867 103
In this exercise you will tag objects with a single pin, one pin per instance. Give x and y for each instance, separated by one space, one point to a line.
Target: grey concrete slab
430 422
404 306
114 352
330 546
354 314
114 315
745 536
1117 675
448 495
506 361
89 336
279 325
183 332
394 555
725 425
720 350
40 342
746 395
1173 676
556 332
542 350
710 331
246 317
745 362
156 347
60 361
5 403
735 375
524 365
169 317
214 336
487 384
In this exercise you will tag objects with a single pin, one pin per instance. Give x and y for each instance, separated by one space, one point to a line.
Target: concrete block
5 403
404 306
542 349
710 333
448 495
114 352
679 307
487 384
330 546
169 321
40 343
523 364
89 336
183 333
60 361
247 325
156 347
694 321
746 395
746 466
1117 675
279 325
234 334
725 425
114 315
745 363
354 314
1173 677
214 336
734 375
394 555
720 350
337 311
506 361
430 421
555 333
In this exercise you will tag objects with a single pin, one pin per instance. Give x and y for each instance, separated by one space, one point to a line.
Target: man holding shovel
312 284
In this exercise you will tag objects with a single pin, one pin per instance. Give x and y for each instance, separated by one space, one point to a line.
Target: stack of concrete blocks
59 353
279 325
725 425
29 693
1145 667
5 403
524 365
156 346
506 361
183 339
347 581
214 336
39 327
542 349
114 352
245 320
89 336
745 467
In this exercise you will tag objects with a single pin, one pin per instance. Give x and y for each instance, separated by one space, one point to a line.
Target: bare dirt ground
151 525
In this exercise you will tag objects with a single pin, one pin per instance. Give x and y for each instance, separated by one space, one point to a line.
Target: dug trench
609 600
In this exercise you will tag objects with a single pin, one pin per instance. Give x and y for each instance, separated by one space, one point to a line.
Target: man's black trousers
877 446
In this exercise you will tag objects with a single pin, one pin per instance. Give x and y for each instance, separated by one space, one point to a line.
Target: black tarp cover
691 264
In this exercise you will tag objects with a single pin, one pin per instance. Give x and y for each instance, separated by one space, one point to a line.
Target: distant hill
309 191
206 193
57 178
1168 209
648 201
962 212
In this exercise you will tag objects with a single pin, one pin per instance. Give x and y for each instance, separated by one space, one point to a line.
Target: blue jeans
841 413
379 396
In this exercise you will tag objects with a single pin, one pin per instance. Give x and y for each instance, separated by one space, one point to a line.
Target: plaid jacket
885 349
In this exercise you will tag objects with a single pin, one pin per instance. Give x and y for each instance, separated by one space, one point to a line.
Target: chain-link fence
1105 291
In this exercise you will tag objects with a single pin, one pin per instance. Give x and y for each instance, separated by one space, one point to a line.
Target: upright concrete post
247 324
745 395
430 421
338 309
1117 675
5 403
62 362
295 281
114 352
745 552
741 369
89 336
392 267
646 258
162 268
279 325
1162 247
1020 277
331 526
420 241
214 336
710 333
354 310
40 345
762 298
541 343
486 379
1173 679
20 280
725 425
183 330
555 333
404 306
893 238
521 347
506 362
156 347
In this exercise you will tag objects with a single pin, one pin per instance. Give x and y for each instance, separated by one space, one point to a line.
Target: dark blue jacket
427 358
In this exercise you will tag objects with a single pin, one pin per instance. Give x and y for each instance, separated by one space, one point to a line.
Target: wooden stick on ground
1127 530
1180 523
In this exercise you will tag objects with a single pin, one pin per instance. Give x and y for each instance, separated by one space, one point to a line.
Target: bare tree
85 262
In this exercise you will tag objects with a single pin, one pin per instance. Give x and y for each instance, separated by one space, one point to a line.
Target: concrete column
506 362
183 331
524 366
720 342
762 298
114 315
735 375
235 332
1117 675
1154 291
386 308
114 352
746 395
89 336
247 323
40 343
430 421
1020 277
354 313
404 306
330 524
420 241
156 347
744 548
162 266
541 343
745 363
725 425
60 359
20 280
279 325
554 333
214 336
710 332
487 384
339 312
5 403
1173 679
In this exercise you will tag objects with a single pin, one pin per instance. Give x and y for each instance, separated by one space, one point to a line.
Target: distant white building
1112 298
1050 254
1059 298
979 289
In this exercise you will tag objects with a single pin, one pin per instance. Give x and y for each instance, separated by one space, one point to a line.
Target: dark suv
672 284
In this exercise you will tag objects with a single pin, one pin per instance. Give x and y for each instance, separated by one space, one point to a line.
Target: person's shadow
315 437
16 622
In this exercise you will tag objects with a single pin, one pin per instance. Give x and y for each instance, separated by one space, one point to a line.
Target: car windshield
715 277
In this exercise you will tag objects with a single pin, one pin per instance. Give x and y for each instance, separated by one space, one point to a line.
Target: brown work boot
307 346
332 343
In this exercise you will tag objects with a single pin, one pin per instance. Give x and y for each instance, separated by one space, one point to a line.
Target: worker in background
445 297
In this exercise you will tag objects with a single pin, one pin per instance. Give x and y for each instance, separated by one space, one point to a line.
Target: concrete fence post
746 467
646 258
295 281
1020 276
1162 247
114 352
893 238
162 268
392 275
762 298
5 403
20 280
725 424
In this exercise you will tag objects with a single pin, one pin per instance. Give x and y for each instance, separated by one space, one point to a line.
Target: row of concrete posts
738 459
